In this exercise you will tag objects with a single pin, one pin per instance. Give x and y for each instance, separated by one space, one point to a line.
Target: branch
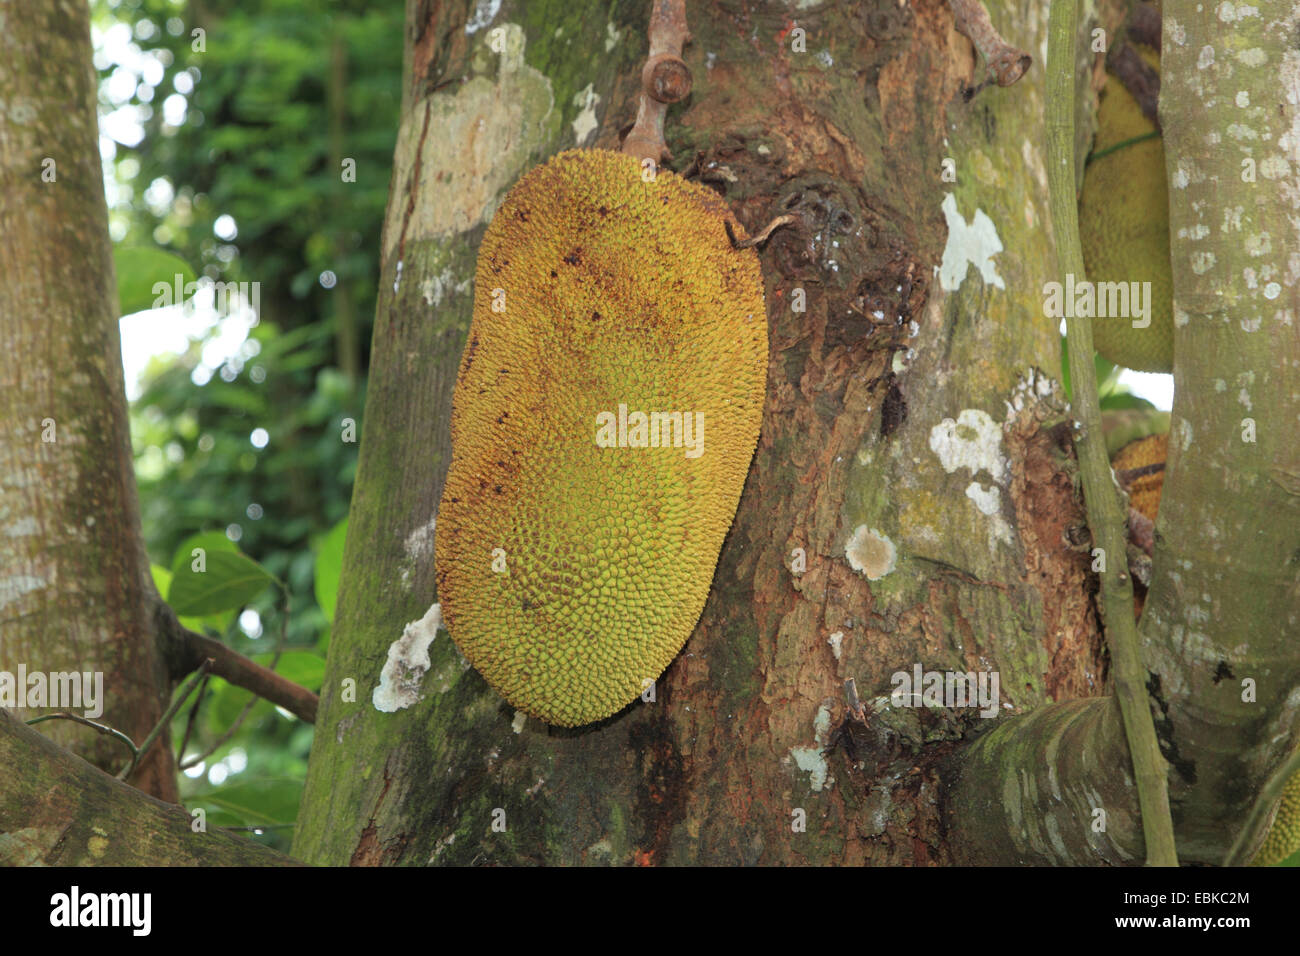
58 810
1104 514
1006 63
665 79
186 651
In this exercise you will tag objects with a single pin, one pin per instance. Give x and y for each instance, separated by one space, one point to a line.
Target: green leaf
1065 368
162 579
1107 375
229 581
251 802
329 563
139 268
209 541
1107 372
1124 399
304 668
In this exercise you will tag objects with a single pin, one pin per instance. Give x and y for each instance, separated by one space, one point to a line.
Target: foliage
234 168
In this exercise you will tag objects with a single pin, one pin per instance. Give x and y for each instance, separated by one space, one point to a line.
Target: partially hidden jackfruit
1144 490
1283 838
607 407
1124 229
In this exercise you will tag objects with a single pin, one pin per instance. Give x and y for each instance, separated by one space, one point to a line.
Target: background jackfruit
613 296
1124 225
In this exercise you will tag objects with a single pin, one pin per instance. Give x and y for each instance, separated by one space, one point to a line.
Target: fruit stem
665 79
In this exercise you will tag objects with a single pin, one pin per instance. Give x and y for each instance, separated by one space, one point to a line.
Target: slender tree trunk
75 591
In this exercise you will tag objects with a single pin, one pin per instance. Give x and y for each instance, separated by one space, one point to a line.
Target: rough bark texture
908 403
58 810
75 592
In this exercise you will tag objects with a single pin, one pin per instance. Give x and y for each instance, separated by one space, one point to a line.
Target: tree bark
75 590
58 810
1224 609
910 412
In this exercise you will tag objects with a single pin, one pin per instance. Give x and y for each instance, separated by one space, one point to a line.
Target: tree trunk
75 590
1225 653
914 449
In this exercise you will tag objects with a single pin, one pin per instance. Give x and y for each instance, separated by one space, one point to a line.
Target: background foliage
226 149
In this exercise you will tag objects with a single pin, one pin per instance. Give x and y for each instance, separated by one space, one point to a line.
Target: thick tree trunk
75 591
913 448
1224 609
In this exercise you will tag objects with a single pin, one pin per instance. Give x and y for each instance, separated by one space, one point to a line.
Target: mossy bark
75 590
58 810
912 499
888 362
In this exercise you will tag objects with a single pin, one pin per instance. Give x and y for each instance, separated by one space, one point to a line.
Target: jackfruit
1124 228
1144 490
1283 837
606 410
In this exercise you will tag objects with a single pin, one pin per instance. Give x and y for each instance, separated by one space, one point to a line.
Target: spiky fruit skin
1124 228
1144 492
1283 837
616 292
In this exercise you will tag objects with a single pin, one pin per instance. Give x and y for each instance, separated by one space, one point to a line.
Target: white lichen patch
419 543
987 500
836 641
23 527
973 441
407 663
974 243
612 36
14 587
419 546
585 123
443 286
485 11
812 760
871 553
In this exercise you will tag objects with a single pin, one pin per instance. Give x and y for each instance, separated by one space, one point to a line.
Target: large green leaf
207 540
329 562
139 268
229 581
